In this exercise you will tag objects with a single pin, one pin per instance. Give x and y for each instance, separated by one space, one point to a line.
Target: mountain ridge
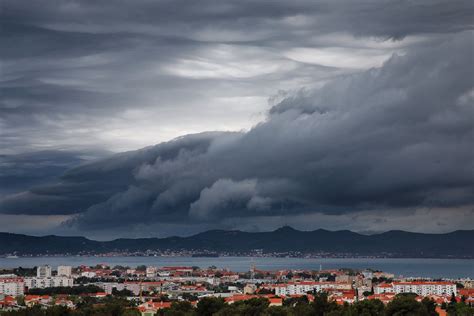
280 241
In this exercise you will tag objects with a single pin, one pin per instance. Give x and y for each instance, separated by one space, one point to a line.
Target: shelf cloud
262 112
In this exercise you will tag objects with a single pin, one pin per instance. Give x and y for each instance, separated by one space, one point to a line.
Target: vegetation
90 307
76 290
122 293
402 305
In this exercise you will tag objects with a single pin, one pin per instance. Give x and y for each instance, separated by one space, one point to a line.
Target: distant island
285 241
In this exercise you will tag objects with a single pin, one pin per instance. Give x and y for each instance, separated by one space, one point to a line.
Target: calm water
448 268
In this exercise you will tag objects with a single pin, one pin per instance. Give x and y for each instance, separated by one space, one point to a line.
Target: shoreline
190 255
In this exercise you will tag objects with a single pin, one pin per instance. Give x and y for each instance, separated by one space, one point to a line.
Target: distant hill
401 244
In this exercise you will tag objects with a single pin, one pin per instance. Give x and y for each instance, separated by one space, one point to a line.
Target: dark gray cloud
324 110
372 18
394 138
20 172
90 73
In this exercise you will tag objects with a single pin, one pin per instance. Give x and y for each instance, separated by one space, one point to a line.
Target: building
152 308
65 271
31 300
250 288
342 297
383 288
151 272
384 297
422 288
7 301
134 286
43 272
273 301
301 288
368 274
380 274
345 278
43 283
89 274
12 286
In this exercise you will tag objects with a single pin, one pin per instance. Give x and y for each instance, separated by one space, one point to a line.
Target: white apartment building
301 288
89 274
43 283
422 288
64 271
12 286
43 272
151 272
135 287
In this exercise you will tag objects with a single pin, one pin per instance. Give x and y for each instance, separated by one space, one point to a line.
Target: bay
434 268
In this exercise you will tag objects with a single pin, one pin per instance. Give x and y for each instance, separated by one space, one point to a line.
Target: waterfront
434 268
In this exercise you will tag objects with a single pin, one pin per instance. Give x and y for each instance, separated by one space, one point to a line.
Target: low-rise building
42 283
345 278
89 274
7 302
43 272
273 301
65 271
422 288
250 288
151 272
299 288
384 297
13 286
31 300
151 308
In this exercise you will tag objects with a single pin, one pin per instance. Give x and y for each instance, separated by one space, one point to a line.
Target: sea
423 268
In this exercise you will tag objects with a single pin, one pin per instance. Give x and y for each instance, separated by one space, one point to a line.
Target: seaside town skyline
151 290
237 158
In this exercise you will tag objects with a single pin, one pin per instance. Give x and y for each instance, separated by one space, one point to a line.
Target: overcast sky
254 114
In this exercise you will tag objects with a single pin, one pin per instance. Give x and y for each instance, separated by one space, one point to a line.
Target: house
384 297
64 302
31 300
274 301
7 301
150 308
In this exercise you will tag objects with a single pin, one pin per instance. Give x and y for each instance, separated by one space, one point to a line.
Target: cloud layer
396 137
124 75
324 113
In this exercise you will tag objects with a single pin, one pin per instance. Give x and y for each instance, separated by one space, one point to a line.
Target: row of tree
321 306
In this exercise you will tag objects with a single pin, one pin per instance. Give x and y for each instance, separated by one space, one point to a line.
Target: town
181 290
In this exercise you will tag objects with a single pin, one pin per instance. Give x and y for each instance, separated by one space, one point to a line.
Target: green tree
321 305
292 301
209 305
141 268
180 309
252 307
406 305
277 311
460 309
367 308
430 306
131 312
122 293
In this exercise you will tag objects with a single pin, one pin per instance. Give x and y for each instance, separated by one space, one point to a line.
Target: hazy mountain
285 239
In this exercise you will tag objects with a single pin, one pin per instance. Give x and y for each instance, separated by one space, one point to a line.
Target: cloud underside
124 75
392 138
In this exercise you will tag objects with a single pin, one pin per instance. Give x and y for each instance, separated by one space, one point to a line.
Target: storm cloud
394 137
264 113
127 74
